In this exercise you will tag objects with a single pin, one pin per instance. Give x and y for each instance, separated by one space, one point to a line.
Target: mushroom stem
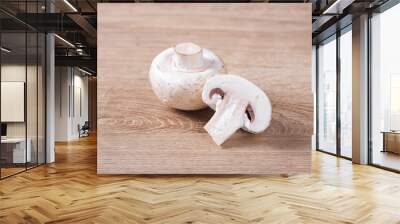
228 118
188 56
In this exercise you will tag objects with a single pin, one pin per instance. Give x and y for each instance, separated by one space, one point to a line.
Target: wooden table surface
269 44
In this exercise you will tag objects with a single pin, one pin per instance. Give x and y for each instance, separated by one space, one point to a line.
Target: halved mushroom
177 75
238 103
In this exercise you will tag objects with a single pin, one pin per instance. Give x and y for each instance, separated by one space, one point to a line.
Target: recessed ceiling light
70 5
337 7
84 71
65 41
5 50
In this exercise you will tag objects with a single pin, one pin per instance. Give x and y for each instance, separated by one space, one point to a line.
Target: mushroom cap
259 110
179 87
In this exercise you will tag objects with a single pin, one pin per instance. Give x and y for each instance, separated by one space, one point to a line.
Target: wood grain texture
70 191
139 135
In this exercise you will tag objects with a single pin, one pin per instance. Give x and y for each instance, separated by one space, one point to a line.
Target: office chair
84 130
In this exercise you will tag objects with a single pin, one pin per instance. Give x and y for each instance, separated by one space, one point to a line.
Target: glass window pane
22 90
31 97
385 95
346 94
13 86
327 96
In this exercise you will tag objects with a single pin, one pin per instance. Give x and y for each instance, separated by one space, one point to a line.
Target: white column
50 99
360 90
50 92
314 91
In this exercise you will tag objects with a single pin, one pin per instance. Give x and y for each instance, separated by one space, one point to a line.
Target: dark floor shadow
203 115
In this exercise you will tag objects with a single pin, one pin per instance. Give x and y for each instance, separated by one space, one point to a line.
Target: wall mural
204 88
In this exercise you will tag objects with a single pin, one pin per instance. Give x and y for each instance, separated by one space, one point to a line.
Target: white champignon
238 103
188 56
177 75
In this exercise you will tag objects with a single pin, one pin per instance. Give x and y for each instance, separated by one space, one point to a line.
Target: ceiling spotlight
70 5
84 71
337 7
79 51
65 41
5 50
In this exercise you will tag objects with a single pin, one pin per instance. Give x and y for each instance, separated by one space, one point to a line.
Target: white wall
80 103
70 109
62 82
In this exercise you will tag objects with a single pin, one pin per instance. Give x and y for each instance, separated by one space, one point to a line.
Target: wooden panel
269 44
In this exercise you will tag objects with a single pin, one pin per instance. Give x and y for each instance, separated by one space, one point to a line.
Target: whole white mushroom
177 75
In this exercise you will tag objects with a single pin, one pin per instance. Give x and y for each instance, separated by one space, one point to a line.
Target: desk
391 141
15 148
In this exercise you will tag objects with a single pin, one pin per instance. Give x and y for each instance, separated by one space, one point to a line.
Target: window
327 96
333 106
346 92
22 101
385 89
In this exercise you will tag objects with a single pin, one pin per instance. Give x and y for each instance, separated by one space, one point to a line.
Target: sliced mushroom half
238 103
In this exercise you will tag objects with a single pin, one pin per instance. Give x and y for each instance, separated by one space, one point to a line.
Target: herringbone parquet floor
70 191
